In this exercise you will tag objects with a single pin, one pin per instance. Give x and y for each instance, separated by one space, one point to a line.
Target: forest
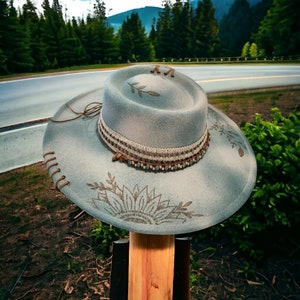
31 41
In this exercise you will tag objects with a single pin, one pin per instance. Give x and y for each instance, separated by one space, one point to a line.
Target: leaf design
128 199
241 152
141 90
141 199
187 203
93 186
152 93
228 131
114 202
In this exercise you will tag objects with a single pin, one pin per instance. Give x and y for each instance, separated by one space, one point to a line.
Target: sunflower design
139 205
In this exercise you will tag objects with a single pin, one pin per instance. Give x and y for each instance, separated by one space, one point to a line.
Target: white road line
248 78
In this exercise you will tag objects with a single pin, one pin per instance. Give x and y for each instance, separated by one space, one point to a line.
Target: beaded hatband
150 158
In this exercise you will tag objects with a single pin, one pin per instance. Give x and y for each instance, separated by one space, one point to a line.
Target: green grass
26 187
258 97
64 70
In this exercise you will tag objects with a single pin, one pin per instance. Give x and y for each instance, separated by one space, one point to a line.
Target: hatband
152 158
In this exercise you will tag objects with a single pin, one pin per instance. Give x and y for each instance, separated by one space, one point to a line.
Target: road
34 98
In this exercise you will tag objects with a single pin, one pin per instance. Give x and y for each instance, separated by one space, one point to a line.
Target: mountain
149 13
146 14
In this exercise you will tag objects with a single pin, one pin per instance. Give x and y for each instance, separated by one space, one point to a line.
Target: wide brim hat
147 153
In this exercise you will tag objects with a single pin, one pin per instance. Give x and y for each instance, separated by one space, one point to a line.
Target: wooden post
151 267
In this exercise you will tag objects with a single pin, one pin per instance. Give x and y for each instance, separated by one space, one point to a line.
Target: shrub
277 148
273 209
103 235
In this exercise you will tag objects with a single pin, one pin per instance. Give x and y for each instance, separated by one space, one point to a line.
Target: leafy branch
140 90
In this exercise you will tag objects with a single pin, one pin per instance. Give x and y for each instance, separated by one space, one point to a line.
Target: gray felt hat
148 154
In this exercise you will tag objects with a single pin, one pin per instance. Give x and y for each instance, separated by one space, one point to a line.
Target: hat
148 154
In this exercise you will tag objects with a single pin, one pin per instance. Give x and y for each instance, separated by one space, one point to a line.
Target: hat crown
156 91
169 108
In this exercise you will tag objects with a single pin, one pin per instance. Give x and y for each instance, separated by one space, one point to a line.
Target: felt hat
148 154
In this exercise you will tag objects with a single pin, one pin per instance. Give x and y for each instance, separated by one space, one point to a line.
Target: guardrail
24 124
230 59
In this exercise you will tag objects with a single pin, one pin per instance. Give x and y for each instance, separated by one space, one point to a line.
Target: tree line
31 41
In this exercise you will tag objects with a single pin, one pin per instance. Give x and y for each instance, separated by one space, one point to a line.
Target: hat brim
173 202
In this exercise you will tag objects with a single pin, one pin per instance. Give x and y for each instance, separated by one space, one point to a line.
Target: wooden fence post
151 267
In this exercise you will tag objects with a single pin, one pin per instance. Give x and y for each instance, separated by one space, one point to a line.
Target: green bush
273 210
103 235
277 148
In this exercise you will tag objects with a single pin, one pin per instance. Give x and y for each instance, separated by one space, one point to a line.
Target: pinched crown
154 118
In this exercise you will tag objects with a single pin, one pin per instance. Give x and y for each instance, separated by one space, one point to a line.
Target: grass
27 185
242 106
63 70
258 97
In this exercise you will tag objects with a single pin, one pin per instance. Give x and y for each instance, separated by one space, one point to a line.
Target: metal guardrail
23 125
230 59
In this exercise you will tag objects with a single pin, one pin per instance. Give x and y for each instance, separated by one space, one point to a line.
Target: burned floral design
227 130
138 205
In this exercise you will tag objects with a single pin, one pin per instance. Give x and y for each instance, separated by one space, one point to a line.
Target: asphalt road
29 99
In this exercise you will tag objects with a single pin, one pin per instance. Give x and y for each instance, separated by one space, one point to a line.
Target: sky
80 8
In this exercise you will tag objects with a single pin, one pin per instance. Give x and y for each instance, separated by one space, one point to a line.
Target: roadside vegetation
50 249
37 41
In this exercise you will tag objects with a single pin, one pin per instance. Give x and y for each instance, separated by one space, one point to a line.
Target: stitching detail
48 158
156 69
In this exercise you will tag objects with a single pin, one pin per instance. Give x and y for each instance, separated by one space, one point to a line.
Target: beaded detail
150 158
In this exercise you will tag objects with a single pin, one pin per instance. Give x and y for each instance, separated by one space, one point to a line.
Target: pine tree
236 28
30 19
259 11
17 44
134 44
279 32
81 30
181 29
72 50
153 33
182 32
253 50
178 28
53 31
165 34
245 50
3 32
206 30
110 46
99 10
3 63
97 37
